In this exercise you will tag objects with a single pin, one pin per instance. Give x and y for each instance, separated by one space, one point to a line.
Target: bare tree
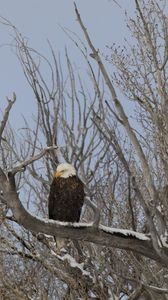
122 249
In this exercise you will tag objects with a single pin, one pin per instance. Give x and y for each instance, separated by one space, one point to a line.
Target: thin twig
6 114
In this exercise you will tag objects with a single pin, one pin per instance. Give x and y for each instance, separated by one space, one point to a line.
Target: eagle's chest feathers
68 183
67 191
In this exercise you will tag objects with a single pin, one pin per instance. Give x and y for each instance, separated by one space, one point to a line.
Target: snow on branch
102 235
74 264
125 232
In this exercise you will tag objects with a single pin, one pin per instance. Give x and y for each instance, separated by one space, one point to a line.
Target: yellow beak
58 174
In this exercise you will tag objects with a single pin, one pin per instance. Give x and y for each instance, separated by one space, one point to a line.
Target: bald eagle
66 195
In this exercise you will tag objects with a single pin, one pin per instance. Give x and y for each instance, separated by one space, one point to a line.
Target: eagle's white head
65 170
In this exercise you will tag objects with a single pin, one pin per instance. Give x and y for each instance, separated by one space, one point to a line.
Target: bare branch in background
119 149
130 132
6 114
21 167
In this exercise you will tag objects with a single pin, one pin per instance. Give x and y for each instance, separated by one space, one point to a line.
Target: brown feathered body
66 199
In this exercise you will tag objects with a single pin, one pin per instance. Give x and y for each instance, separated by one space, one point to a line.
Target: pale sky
39 20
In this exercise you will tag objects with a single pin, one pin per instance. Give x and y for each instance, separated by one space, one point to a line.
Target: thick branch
128 240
